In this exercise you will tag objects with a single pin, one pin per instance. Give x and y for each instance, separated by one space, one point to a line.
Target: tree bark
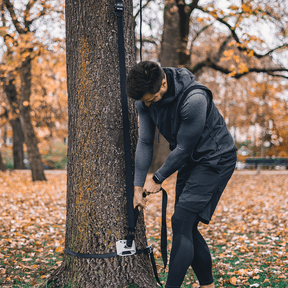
2 165
96 197
34 155
171 35
18 136
18 141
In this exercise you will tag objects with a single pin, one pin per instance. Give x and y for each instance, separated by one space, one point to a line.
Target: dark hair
144 77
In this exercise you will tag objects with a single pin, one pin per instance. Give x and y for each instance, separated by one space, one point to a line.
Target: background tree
96 201
21 30
12 116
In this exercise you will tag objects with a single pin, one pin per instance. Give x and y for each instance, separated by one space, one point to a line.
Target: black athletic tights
188 248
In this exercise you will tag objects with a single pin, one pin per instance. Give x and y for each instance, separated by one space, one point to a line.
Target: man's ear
164 81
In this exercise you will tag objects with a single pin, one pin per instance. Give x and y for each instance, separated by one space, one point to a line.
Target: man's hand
151 187
138 199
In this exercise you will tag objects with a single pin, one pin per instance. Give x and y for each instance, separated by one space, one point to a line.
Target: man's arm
144 153
193 118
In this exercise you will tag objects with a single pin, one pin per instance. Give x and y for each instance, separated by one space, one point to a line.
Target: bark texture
96 196
34 155
170 43
18 141
18 136
2 165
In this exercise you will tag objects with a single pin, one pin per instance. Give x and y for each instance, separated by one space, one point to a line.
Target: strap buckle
149 249
123 249
118 9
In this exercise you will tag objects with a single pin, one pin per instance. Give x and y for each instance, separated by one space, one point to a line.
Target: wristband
156 179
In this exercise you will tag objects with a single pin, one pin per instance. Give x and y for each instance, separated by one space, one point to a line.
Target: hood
182 78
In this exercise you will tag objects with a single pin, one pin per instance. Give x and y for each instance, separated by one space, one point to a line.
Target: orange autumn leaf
233 280
256 277
59 249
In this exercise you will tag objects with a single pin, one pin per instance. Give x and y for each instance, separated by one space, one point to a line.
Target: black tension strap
132 213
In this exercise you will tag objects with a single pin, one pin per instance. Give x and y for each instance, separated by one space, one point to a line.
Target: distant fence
265 162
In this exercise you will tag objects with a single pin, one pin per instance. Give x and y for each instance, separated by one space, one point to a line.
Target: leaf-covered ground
248 235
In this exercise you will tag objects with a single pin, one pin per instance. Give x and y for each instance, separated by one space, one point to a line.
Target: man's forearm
143 159
173 162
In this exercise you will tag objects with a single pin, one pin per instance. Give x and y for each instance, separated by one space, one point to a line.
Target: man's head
146 81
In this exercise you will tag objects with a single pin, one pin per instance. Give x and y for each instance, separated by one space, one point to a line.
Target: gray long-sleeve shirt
193 117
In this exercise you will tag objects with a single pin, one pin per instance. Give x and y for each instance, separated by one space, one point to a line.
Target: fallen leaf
233 280
27 259
256 277
59 249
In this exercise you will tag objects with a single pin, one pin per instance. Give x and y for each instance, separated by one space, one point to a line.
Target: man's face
149 98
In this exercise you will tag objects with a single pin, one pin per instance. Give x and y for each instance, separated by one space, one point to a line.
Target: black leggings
188 248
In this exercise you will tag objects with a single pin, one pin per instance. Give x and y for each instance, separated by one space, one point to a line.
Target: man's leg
182 251
202 262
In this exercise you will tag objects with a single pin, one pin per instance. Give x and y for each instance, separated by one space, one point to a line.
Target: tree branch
15 21
143 7
29 6
15 42
147 40
209 63
198 33
241 46
194 4
222 48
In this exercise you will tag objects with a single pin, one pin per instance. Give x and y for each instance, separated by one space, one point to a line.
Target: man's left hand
151 187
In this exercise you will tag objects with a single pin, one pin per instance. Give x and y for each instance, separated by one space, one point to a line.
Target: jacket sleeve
193 118
144 148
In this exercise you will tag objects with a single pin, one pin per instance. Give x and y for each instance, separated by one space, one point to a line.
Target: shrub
55 157
7 156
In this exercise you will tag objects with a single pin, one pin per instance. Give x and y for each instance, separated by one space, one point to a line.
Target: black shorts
200 185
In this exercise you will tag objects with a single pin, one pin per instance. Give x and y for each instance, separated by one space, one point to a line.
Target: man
202 150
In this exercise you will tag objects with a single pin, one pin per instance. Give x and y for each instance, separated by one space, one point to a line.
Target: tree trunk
2 165
174 42
96 199
171 35
18 140
34 155
18 136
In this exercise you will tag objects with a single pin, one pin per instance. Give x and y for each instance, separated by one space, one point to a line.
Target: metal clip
123 249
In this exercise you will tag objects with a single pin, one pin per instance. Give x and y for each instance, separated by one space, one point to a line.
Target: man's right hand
138 199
